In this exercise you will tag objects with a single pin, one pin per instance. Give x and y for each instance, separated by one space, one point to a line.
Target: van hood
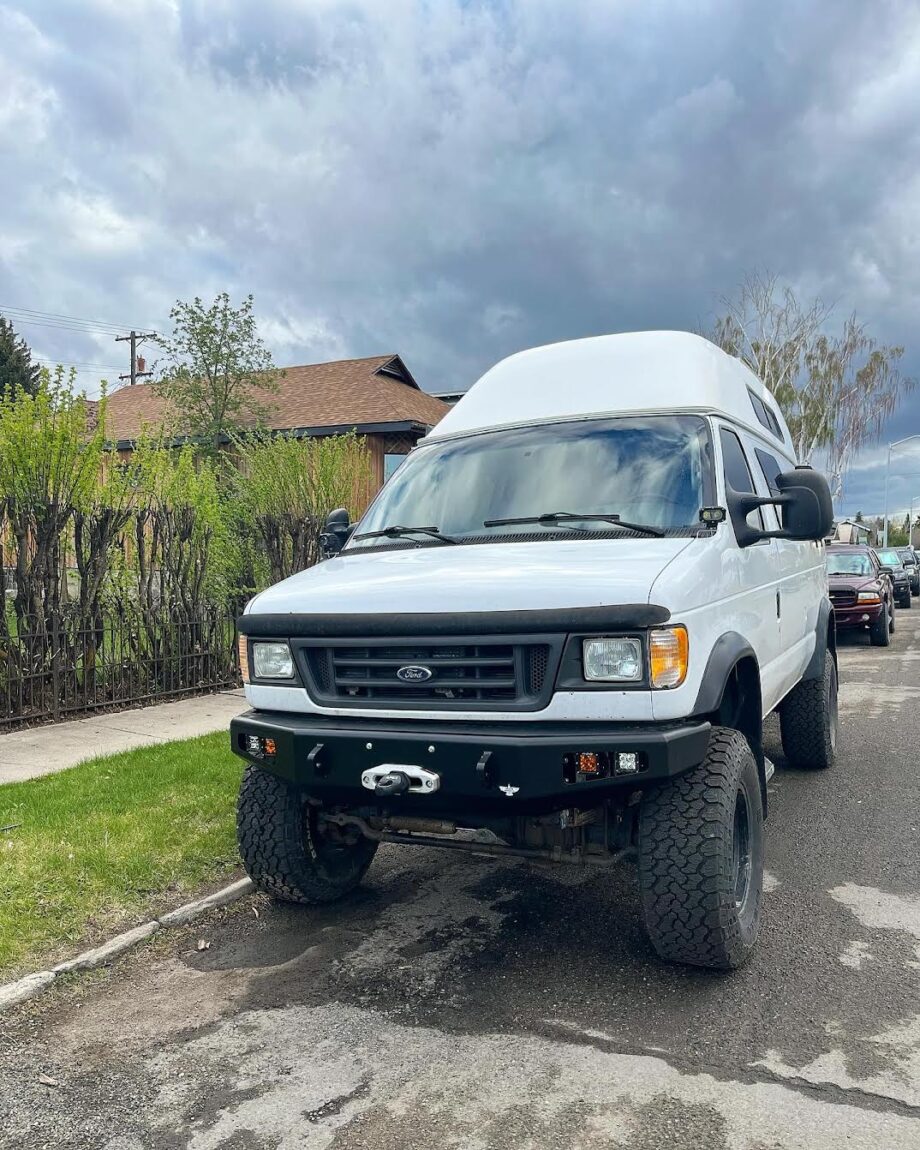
555 574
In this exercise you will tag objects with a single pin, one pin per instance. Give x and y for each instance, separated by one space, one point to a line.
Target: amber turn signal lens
244 658
669 654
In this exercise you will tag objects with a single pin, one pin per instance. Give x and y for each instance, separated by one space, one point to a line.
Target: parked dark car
912 563
889 558
860 591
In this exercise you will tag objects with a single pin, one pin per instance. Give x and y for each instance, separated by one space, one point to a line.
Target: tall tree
218 377
836 389
17 371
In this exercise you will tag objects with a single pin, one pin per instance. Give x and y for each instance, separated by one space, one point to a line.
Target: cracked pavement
466 1002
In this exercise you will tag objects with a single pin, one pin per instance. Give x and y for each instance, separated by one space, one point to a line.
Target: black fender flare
825 640
726 653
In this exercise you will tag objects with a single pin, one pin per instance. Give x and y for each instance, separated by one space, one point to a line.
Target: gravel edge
12 993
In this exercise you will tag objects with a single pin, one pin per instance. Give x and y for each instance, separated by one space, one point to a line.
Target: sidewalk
43 750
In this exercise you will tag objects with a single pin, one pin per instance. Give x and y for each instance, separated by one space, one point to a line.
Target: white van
562 623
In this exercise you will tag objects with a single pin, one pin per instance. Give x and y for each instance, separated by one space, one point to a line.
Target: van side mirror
806 509
886 570
338 532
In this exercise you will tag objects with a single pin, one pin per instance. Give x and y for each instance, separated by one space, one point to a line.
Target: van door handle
778 611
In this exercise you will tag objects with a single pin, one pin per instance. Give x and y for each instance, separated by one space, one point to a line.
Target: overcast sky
458 179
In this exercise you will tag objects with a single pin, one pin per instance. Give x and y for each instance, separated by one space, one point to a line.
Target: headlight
612 660
868 597
669 655
272 661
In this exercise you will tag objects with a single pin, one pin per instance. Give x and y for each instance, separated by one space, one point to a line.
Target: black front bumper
480 766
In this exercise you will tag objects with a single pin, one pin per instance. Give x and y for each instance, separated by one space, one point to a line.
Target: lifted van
556 634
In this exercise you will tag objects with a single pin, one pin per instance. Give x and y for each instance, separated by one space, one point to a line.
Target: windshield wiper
397 532
553 517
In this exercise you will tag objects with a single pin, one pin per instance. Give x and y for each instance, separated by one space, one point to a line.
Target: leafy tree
50 456
219 376
836 390
17 371
859 517
283 490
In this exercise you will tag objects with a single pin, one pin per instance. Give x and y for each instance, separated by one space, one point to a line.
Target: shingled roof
375 394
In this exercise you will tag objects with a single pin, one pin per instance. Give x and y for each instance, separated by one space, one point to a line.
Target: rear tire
701 858
808 720
879 634
286 851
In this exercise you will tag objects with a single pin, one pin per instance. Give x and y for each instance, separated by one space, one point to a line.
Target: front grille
842 597
473 673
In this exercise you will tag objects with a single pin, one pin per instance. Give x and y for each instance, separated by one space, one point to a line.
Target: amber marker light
244 658
669 654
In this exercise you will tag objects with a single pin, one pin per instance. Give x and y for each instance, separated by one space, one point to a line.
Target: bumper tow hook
395 783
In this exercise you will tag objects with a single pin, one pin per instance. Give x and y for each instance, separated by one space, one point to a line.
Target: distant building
849 531
376 397
449 397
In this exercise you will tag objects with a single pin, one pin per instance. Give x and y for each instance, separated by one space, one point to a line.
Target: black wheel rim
741 851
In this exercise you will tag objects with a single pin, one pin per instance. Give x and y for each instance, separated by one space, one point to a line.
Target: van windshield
653 470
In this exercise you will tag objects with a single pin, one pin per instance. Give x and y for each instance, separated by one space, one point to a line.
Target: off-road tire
688 868
907 602
808 720
283 850
879 633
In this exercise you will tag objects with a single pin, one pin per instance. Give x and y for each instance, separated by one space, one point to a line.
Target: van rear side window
765 417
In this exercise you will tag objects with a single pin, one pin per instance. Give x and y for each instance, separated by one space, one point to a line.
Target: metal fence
58 666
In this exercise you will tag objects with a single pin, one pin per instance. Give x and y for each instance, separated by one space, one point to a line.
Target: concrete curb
12 993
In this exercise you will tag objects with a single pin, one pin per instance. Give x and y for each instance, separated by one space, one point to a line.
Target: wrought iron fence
57 666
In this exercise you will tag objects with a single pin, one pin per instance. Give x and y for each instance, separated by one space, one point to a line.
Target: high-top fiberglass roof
641 371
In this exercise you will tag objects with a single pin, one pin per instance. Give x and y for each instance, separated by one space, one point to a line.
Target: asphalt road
457 1002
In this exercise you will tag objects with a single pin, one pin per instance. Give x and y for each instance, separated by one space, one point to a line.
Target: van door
803 579
752 576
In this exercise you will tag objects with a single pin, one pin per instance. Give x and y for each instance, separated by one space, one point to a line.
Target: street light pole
891 446
910 521
885 522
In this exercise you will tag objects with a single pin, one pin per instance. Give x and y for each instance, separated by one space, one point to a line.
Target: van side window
765 416
770 469
737 473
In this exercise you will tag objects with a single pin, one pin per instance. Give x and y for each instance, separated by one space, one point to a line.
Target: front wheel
287 851
879 635
907 601
808 720
701 858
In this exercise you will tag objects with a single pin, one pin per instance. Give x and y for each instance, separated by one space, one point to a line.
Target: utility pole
135 338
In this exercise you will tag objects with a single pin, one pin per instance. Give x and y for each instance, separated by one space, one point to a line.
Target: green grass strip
107 841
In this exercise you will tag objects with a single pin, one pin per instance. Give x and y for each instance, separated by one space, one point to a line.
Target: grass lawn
104 843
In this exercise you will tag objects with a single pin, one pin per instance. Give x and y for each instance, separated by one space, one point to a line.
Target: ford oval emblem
414 674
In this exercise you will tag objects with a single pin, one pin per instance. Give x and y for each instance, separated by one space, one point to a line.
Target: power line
38 318
76 363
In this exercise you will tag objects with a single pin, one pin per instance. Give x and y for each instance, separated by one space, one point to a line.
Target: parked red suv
860 591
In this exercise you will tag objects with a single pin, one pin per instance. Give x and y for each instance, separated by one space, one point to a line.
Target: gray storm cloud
457 180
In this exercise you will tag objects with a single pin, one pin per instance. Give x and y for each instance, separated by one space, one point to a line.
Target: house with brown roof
376 397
